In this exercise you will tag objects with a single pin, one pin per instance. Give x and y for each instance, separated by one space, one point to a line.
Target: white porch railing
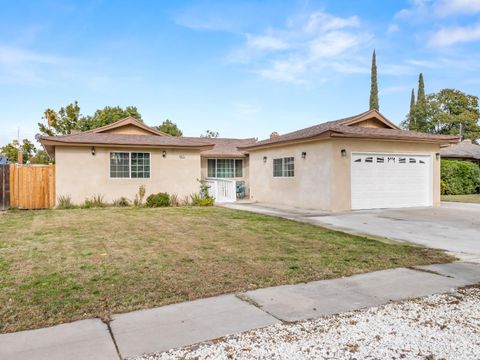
222 190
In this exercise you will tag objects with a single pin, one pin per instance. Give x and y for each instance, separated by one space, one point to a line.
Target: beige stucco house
360 162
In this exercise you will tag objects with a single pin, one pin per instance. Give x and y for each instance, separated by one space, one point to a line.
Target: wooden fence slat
32 187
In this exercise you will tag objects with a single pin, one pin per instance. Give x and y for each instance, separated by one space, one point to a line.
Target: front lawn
472 198
63 265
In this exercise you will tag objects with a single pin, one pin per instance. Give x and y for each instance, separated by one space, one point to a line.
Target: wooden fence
32 186
4 187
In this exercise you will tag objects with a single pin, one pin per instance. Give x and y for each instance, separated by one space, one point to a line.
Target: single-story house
360 162
464 150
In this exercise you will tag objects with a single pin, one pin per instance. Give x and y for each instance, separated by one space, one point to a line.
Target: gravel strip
435 327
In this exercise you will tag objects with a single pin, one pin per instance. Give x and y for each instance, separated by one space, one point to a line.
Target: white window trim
284 169
129 164
234 168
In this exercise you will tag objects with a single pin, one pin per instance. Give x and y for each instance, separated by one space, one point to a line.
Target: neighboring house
465 150
359 162
3 160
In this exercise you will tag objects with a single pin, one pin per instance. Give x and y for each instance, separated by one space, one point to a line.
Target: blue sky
243 68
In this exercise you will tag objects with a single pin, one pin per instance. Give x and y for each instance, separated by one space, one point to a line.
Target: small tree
11 150
170 127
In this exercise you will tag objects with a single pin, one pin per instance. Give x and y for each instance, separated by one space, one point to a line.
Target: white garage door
390 180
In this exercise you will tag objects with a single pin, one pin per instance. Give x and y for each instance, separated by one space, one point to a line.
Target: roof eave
397 138
53 143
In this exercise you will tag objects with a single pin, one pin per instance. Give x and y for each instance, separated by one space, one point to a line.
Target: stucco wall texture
80 175
322 179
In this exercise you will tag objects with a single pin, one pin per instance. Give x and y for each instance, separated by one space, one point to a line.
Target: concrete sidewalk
187 323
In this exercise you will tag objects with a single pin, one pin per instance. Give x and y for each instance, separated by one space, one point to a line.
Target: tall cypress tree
420 112
411 123
421 89
373 84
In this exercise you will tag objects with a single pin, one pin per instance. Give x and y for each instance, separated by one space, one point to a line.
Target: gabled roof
464 149
227 147
127 121
104 137
346 128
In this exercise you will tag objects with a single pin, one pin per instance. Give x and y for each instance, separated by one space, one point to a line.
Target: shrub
65 202
459 177
199 201
138 201
203 198
95 202
121 202
158 200
174 200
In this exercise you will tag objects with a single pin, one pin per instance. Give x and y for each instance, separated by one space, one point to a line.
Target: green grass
472 198
63 265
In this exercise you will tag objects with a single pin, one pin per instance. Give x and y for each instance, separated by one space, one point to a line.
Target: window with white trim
224 168
129 165
284 167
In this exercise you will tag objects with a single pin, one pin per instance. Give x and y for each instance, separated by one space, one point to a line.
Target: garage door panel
390 180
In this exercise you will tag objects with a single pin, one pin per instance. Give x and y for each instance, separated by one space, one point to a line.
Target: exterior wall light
164 153
93 150
264 159
343 152
437 155
304 155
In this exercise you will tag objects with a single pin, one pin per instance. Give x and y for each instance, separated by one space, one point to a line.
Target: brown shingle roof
123 139
464 149
225 147
342 128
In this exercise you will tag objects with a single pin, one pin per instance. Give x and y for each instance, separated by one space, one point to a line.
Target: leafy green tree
63 122
41 157
210 134
170 127
108 115
69 119
449 110
373 84
11 150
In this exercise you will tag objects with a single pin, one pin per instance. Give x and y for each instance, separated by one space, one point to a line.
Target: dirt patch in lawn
63 265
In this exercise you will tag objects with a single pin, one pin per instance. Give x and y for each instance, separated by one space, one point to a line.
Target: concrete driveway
454 227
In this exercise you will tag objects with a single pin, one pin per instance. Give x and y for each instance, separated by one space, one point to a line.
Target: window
277 167
140 165
119 165
224 168
284 167
129 165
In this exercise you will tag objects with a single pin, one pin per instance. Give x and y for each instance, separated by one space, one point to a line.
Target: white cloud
445 8
392 28
423 10
453 35
15 56
308 44
321 21
266 42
